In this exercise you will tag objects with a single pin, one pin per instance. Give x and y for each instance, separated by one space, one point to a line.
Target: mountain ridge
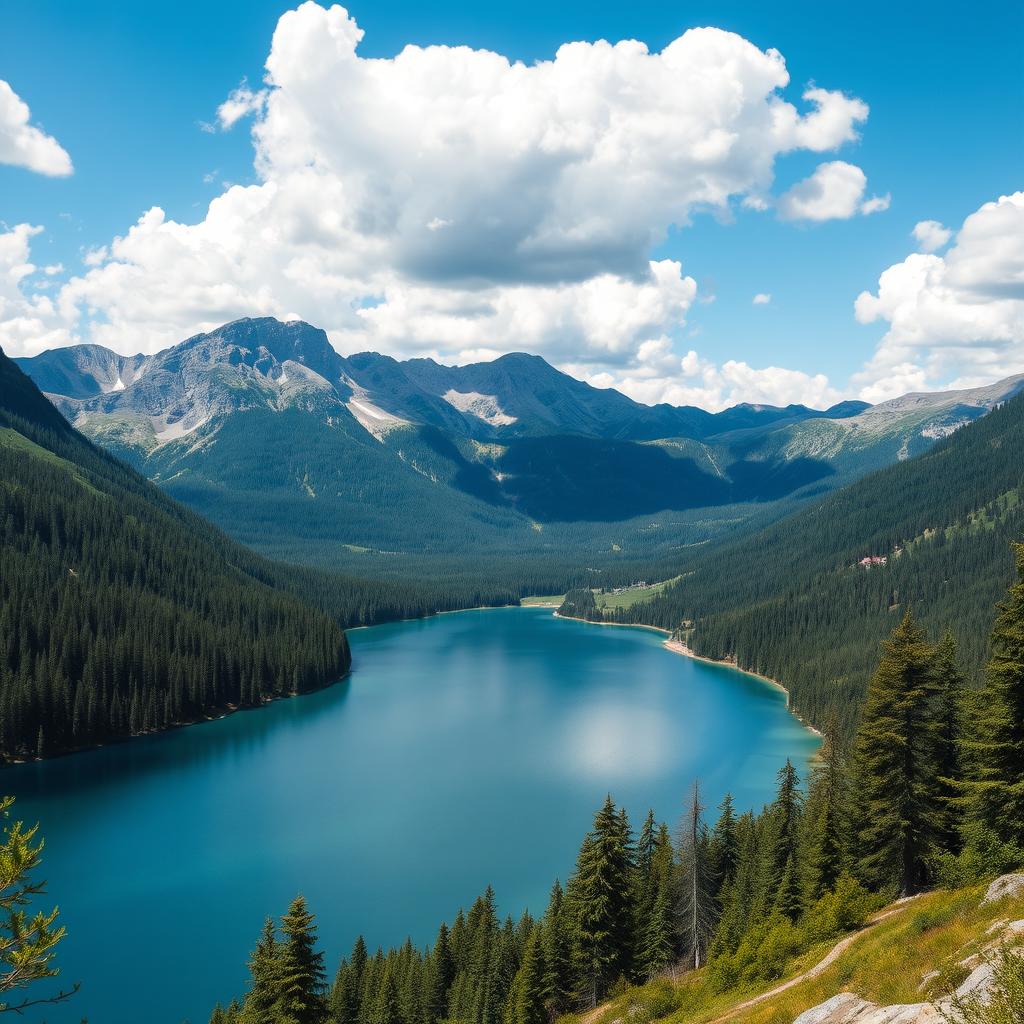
347 461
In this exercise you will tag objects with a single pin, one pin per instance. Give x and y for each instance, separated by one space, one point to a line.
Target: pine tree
558 978
826 816
442 974
784 823
995 782
260 1005
526 1002
657 943
601 897
696 909
388 1008
949 687
896 765
301 969
723 851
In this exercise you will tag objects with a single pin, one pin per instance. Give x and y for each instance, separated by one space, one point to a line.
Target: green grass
631 595
13 440
886 964
544 601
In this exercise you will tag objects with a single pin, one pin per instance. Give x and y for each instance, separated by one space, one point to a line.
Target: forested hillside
794 601
123 613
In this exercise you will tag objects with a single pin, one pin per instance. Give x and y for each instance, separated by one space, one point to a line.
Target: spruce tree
260 1005
387 1007
442 974
949 686
301 969
826 816
995 783
601 897
723 850
526 1003
896 765
559 984
657 942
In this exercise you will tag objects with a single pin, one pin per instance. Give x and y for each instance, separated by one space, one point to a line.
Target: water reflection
463 750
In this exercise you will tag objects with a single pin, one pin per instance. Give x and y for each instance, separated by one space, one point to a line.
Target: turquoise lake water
463 750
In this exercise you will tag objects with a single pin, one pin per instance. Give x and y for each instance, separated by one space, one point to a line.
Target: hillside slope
121 612
902 966
793 601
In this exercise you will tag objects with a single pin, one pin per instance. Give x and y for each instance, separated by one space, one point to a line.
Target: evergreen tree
527 1002
387 1008
949 686
723 851
995 783
442 974
559 984
896 764
27 943
260 1005
657 942
300 969
784 824
601 897
826 818
696 909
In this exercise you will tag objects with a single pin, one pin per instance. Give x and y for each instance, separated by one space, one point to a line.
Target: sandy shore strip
678 647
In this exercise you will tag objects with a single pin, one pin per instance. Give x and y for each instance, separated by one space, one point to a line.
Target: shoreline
678 647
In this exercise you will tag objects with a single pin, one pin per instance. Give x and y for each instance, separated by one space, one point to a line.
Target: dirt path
819 968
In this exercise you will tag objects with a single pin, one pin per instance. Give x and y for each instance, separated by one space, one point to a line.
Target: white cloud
835 191
931 235
29 321
697 381
762 299
953 320
24 145
453 202
241 102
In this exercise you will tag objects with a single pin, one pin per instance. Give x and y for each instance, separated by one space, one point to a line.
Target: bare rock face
847 1008
1004 887
844 1008
906 1013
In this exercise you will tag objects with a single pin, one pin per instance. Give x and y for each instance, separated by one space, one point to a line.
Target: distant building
873 560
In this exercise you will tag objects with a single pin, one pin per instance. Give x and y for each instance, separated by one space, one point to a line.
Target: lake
465 749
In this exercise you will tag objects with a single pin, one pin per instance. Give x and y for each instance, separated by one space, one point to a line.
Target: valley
378 467
511 514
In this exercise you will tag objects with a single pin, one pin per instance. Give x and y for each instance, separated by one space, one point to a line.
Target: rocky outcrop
1003 888
849 1008
846 1008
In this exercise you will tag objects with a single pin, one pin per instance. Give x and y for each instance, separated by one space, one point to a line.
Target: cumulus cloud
762 299
931 235
451 201
24 145
835 191
29 321
702 382
954 320
241 102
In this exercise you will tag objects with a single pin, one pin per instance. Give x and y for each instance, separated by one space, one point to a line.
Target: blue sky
124 90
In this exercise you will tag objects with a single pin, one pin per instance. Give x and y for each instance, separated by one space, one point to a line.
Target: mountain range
349 460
